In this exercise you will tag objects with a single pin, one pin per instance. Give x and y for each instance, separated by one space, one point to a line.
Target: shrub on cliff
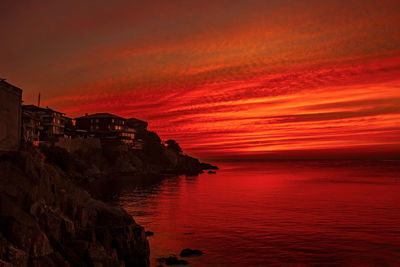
174 146
152 148
57 156
63 159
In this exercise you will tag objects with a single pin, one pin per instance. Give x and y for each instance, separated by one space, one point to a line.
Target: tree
173 145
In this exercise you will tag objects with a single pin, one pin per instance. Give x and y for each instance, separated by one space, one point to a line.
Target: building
70 128
53 122
31 127
100 123
10 116
110 128
138 125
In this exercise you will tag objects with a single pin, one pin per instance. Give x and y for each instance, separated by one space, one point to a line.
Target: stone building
10 116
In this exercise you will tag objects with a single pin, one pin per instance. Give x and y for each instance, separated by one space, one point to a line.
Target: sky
226 79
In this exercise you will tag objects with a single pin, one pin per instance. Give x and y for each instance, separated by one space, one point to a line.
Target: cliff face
47 221
154 158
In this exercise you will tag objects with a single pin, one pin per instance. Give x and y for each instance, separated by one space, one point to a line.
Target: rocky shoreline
47 218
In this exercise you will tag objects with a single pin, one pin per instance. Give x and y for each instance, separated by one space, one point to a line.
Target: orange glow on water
275 213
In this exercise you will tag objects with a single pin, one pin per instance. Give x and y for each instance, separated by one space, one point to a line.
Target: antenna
38 101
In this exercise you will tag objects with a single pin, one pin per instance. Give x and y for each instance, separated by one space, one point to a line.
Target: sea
274 213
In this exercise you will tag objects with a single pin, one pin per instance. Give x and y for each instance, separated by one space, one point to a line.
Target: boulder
172 260
149 233
190 252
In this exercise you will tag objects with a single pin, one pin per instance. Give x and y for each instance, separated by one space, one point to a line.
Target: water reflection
276 213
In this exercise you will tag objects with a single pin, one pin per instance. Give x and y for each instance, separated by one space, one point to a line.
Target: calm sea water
275 213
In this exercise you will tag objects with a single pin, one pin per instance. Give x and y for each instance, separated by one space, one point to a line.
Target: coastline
51 214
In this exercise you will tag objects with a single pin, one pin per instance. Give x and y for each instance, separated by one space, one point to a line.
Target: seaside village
42 125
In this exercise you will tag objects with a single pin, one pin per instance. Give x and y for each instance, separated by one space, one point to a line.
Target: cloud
228 76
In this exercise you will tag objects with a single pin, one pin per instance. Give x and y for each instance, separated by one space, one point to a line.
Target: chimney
38 101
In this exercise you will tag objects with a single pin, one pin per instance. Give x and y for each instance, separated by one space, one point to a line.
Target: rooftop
36 108
101 116
137 121
3 84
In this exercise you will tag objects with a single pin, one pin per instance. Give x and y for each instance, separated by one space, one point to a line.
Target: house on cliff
99 123
10 116
52 122
109 127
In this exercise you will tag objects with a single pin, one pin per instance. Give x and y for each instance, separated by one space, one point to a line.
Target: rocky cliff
46 220
156 157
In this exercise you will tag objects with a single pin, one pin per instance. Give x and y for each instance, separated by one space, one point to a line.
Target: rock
17 257
172 260
190 252
208 166
149 233
47 220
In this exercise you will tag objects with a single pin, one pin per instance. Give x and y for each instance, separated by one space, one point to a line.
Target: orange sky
223 78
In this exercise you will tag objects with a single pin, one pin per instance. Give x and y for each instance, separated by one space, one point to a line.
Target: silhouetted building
110 128
100 123
70 128
53 122
10 116
31 127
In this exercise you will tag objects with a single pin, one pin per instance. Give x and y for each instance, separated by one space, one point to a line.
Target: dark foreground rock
190 252
208 166
45 220
172 260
